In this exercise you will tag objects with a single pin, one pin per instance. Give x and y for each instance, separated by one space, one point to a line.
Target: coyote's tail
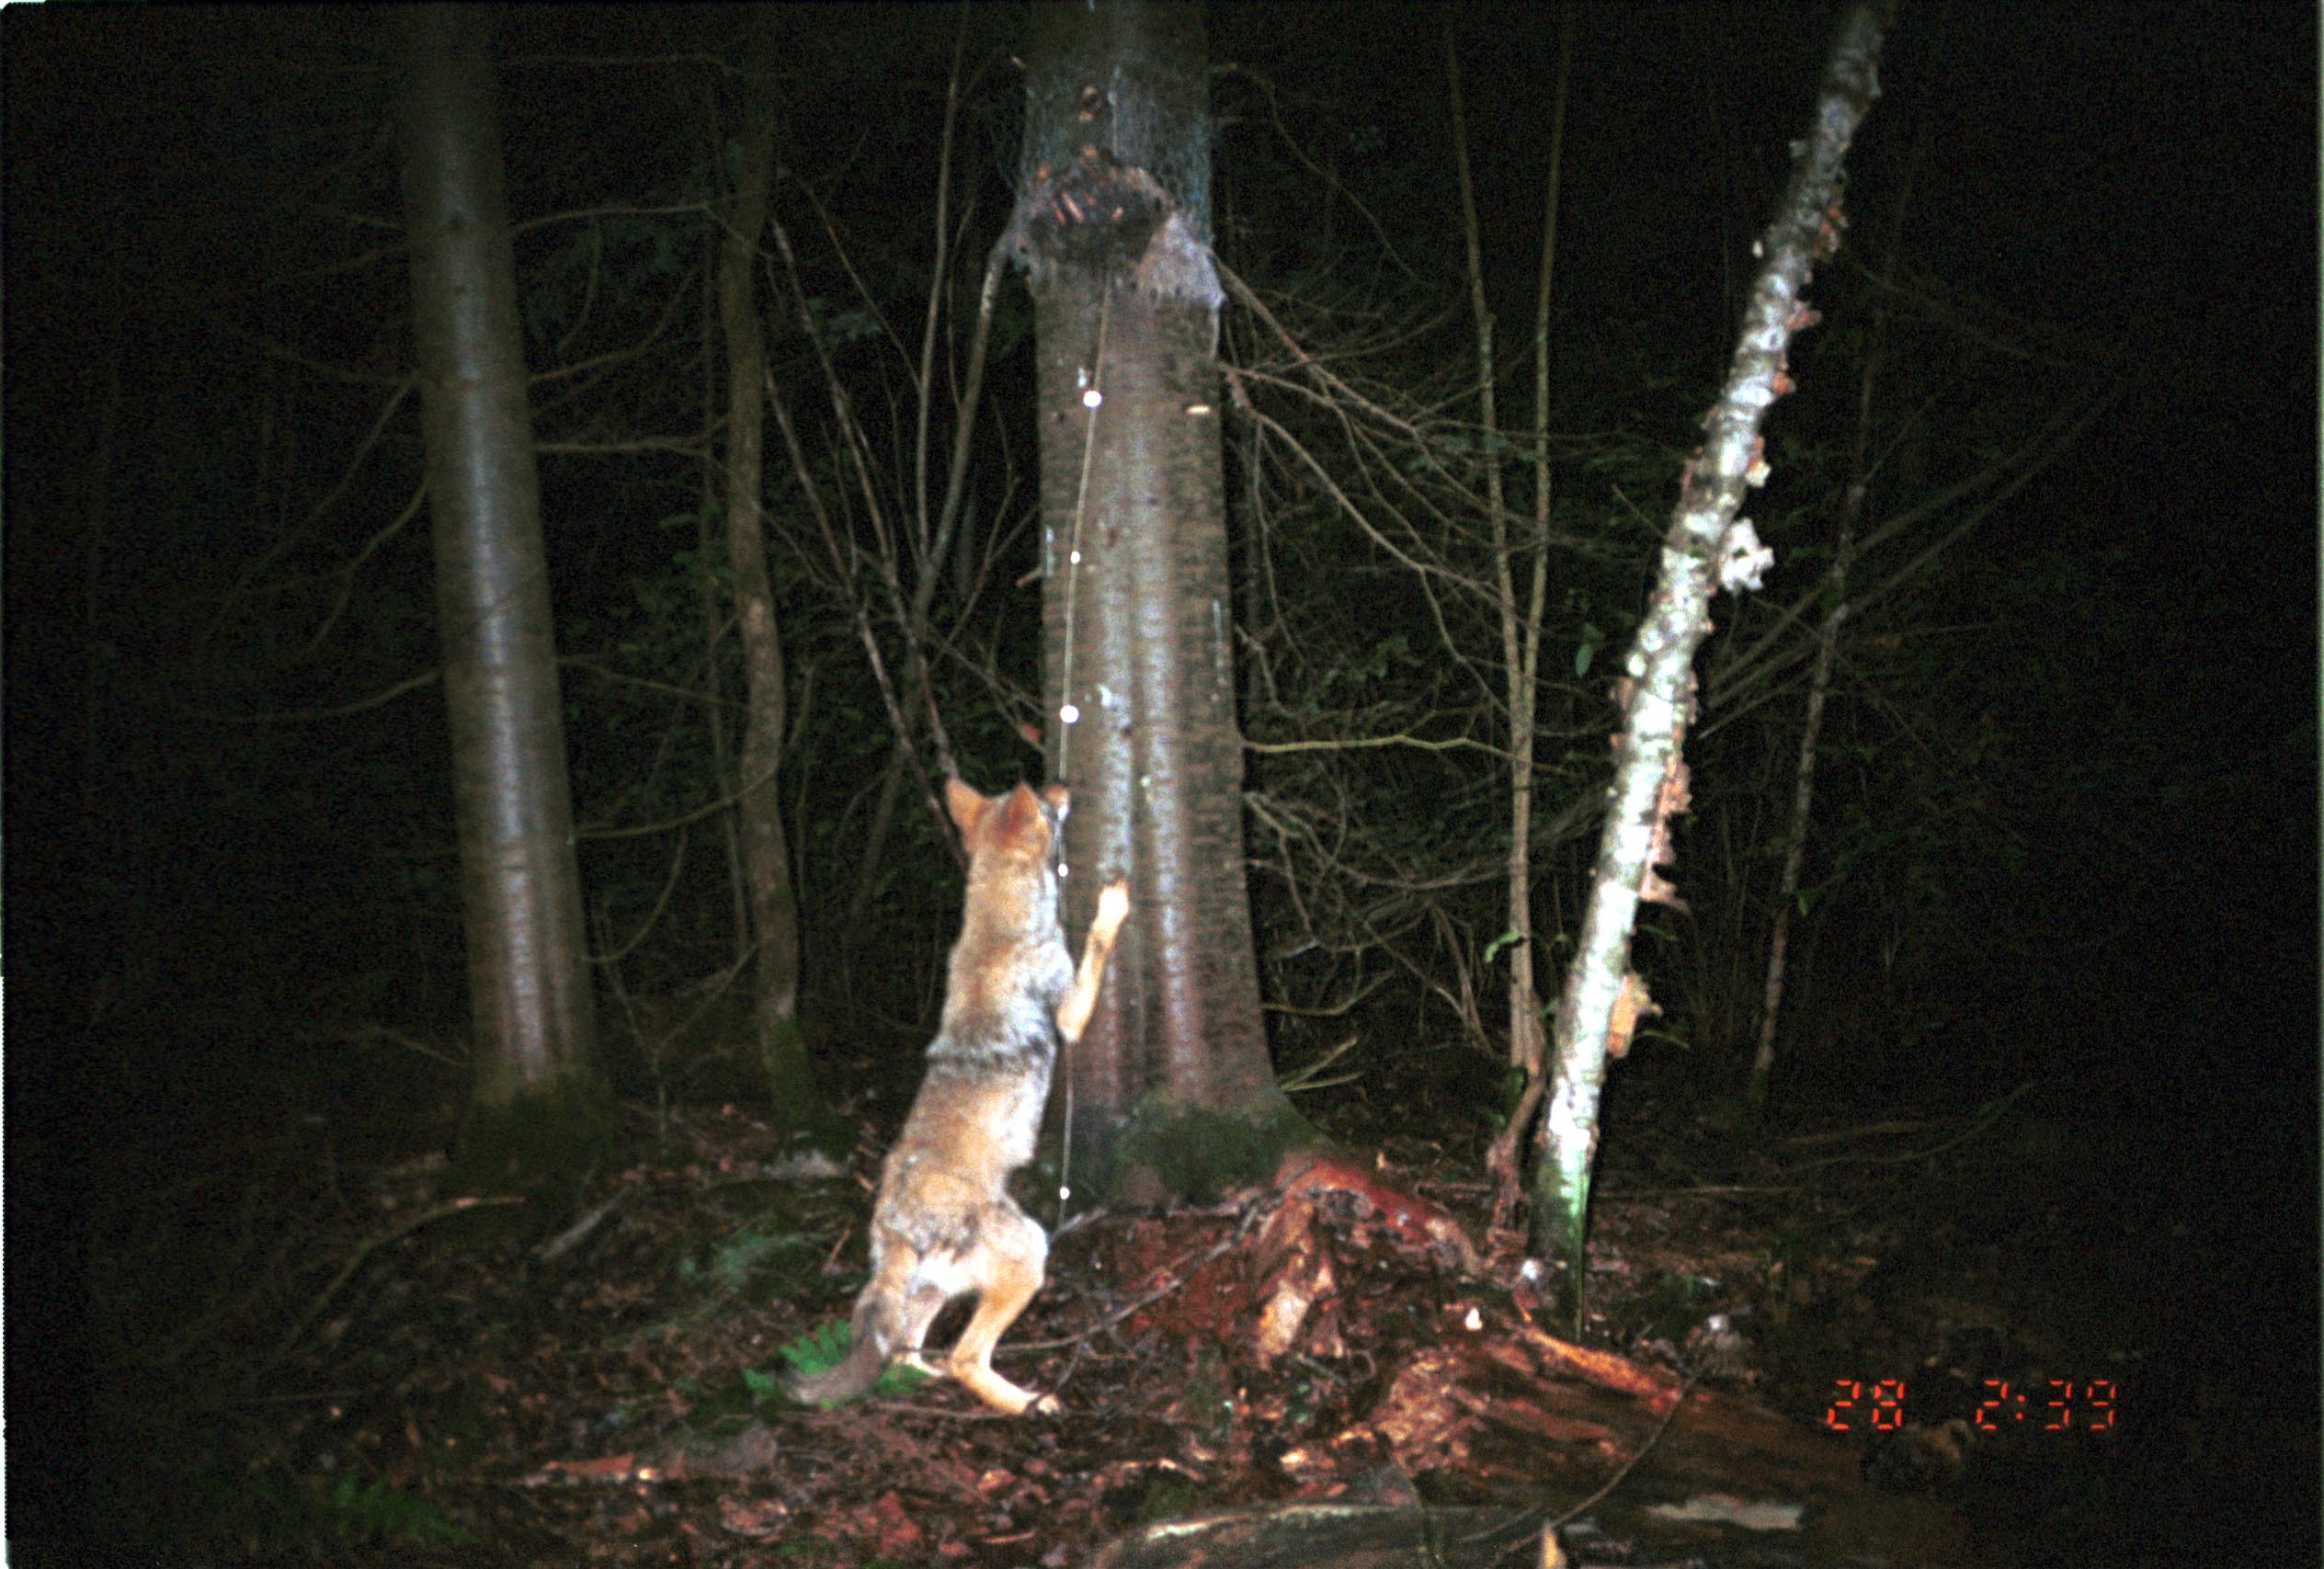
874 1338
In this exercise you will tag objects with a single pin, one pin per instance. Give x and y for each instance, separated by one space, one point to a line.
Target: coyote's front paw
1113 907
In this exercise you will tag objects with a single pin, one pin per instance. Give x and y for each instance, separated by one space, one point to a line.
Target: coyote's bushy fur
943 1225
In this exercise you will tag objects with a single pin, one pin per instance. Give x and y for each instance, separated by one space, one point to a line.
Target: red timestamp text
2055 1405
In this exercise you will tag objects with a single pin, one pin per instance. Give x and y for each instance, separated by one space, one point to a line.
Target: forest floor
1363 1343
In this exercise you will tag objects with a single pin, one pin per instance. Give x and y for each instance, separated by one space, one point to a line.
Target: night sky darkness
177 191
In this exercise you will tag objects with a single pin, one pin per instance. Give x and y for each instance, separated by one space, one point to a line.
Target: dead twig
573 1236
364 1250
1525 1523
1179 1273
1986 1117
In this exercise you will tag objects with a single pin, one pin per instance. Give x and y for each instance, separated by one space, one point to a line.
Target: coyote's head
1022 825
1014 843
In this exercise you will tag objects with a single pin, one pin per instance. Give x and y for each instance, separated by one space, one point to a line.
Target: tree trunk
774 909
1170 1092
1819 678
1707 548
537 1109
1520 628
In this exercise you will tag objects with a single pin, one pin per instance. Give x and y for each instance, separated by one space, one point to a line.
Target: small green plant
781 1257
1168 1498
1667 1305
348 1509
1209 1398
825 1347
820 1349
372 1511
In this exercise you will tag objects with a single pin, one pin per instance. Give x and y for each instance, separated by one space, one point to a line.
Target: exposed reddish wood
1409 1221
1488 1400
1294 1271
1511 1407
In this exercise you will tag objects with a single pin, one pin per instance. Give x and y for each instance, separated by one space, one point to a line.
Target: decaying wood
1520 1422
1374 1536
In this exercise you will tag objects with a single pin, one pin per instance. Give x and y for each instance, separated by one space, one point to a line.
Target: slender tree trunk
1707 548
874 860
1170 1091
528 973
707 520
1820 680
1524 1017
1521 632
774 910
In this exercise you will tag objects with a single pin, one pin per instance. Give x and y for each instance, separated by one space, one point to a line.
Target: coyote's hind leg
1016 1252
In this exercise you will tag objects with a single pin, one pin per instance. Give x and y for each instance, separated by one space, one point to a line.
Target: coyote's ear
1017 820
1023 809
1055 796
967 807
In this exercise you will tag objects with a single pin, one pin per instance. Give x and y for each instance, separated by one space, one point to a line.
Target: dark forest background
2066 824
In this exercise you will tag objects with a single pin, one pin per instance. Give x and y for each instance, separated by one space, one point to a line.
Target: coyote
943 1225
